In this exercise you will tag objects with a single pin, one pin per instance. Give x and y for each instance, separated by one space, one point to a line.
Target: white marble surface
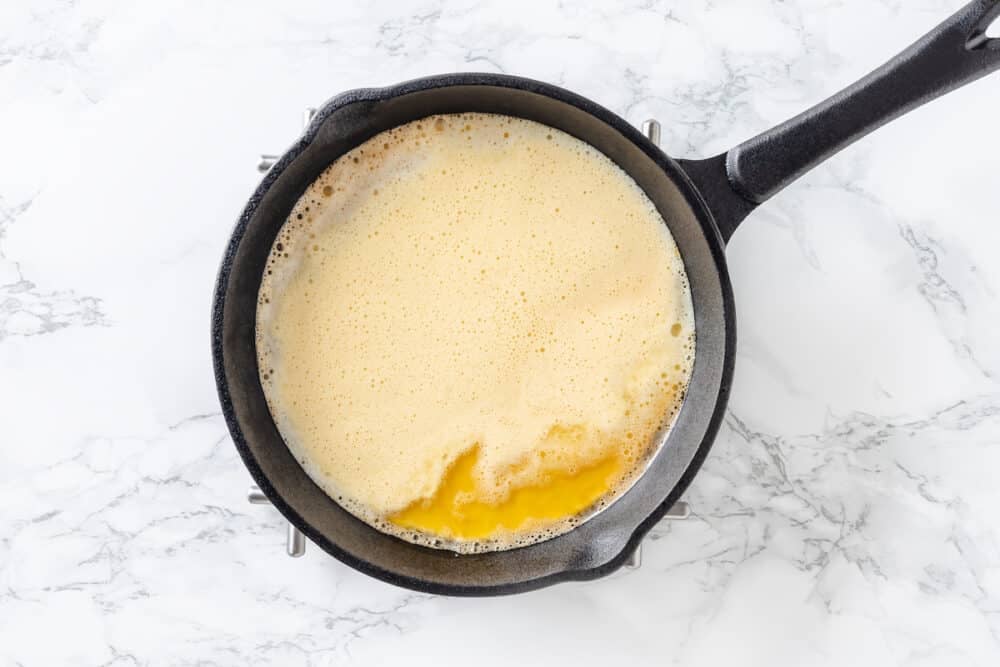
848 515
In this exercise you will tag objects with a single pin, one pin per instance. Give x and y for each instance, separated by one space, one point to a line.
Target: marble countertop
849 513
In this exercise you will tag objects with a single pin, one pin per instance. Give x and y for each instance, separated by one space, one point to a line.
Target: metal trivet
295 545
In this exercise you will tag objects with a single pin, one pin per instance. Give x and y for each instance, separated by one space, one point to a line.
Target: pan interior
598 544
471 331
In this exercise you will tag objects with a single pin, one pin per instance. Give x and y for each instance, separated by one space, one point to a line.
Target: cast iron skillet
702 202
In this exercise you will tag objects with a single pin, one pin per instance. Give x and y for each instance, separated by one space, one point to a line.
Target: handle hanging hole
986 34
993 29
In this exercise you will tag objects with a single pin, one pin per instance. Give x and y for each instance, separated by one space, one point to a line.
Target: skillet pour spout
701 201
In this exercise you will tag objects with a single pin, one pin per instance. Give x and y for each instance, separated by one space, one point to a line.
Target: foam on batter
472 331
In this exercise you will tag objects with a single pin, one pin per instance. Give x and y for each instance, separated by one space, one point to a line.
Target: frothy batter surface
472 329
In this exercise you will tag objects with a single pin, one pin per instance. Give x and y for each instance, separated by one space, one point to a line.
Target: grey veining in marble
848 515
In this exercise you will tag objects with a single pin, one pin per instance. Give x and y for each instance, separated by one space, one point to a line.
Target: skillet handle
955 53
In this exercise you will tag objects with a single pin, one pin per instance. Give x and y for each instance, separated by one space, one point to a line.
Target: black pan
702 201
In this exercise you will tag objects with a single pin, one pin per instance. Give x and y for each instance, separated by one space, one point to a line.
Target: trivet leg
295 545
679 511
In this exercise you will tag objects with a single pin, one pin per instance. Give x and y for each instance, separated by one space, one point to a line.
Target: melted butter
463 509
471 331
